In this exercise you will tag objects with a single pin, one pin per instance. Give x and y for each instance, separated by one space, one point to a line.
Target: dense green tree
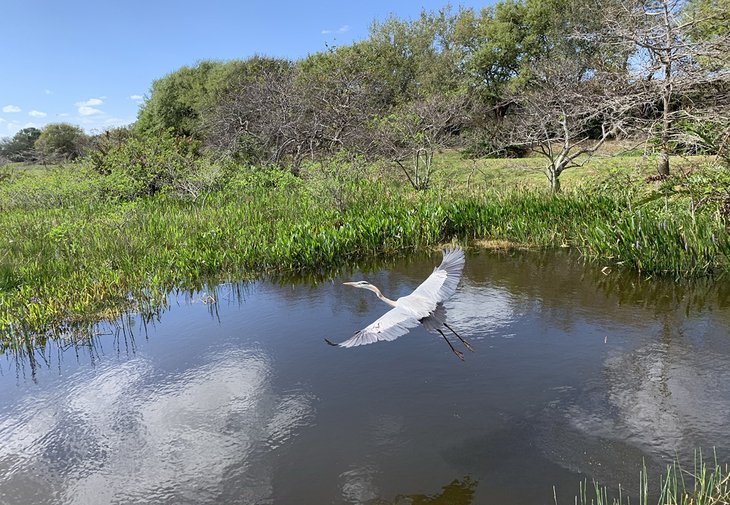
20 146
180 100
61 142
513 36
425 56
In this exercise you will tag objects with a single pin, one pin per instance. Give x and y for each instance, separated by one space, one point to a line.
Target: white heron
424 306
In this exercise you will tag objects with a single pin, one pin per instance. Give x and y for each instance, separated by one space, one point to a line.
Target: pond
577 373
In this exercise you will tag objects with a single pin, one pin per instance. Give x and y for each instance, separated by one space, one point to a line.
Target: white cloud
2 120
37 113
48 91
341 29
63 114
90 102
11 108
85 110
136 98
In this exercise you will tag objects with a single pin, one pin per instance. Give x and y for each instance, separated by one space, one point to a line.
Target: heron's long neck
380 295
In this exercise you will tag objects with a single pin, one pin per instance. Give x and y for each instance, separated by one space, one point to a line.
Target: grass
706 484
452 170
73 250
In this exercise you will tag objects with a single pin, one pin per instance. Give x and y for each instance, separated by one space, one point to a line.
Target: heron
423 306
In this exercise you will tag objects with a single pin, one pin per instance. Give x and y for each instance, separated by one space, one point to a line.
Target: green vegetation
80 243
20 146
60 141
704 485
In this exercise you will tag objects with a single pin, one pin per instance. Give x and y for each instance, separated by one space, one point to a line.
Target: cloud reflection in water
125 434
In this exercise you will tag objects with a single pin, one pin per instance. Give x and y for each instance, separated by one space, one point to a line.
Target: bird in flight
424 306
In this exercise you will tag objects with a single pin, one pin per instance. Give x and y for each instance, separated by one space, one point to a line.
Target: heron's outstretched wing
441 284
389 326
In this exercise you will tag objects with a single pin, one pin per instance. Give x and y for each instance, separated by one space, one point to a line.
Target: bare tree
316 108
567 114
259 120
670 54
410 136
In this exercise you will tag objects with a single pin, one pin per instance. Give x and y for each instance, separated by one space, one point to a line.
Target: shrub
61 142
140 165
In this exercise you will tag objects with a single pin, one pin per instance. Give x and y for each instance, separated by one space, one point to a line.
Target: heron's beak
349 283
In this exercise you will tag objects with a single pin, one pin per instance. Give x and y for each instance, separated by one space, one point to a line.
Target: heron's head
360 284
370 287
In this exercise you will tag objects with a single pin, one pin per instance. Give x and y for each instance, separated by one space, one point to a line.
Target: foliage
139 165
181 100
21 146
61 142
422 57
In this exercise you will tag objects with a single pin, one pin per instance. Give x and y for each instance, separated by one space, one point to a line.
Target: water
577 374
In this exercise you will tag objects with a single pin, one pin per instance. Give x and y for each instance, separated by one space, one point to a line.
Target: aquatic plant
706 484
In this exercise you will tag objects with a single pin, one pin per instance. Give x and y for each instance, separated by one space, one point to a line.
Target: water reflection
457 492
577 374
177 438
662 396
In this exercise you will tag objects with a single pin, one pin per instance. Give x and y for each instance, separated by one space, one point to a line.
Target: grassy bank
71 249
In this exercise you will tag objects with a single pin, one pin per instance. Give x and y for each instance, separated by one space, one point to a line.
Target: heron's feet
467 345
459 354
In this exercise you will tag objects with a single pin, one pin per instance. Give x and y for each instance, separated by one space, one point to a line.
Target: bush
138 165
61 142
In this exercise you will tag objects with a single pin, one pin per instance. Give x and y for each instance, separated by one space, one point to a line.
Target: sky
92 63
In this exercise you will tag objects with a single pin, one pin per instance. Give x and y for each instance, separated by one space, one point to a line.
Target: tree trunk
553 178
663 160
666 60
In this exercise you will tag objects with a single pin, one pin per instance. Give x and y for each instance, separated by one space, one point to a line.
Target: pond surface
577 374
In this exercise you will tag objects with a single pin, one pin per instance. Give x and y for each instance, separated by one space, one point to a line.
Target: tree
181 100
258 120
415 59
413 133
680 48
512 36
567 114
61 142
20 147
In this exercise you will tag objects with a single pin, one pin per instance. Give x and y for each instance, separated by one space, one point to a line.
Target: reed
705 484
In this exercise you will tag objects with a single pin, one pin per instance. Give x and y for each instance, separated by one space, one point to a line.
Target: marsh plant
706 484
78 243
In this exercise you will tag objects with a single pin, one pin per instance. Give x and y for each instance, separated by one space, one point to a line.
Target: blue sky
90 63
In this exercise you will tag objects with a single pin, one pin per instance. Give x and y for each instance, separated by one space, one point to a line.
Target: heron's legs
458 354
466 344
